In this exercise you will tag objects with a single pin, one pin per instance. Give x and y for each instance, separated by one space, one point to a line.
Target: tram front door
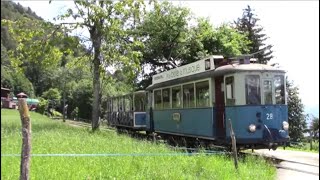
220 108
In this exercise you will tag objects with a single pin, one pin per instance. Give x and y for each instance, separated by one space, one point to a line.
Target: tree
223 40
110 24
171 41
315 127
296 117
164 31
53 95
38 49
248 25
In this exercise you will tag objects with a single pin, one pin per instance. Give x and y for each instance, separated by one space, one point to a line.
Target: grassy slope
49 136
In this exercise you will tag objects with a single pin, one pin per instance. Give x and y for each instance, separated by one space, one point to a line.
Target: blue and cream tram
197 100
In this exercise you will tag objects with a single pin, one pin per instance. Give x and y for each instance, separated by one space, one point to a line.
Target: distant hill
13 11
9 79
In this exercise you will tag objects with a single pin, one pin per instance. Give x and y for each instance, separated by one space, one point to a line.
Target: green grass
55 137
305 146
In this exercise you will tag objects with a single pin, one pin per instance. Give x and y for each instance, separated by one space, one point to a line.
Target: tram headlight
285 125
252 128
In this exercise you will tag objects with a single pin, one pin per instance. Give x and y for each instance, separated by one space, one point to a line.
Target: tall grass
305 146
54 137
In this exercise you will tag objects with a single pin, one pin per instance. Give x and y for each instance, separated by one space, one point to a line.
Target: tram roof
219 71
232 68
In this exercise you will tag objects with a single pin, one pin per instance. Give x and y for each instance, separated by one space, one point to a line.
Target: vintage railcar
127 111
193 103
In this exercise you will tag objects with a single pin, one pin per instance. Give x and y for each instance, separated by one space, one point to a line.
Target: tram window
202 94
253 95
230 91
120 104
176 97
115 104
279 89
139 103
188 96
109 105
166 98
127 101
157 99
267 89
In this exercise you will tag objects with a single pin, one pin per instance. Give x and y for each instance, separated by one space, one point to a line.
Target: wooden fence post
234 147
26 139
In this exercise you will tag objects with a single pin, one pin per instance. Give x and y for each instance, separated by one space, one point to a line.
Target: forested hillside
56 80
17 82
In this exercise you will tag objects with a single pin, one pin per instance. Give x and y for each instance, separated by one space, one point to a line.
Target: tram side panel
197 122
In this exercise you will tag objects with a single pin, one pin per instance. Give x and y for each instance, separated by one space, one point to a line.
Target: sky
292 28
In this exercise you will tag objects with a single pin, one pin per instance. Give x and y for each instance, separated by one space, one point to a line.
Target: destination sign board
186 70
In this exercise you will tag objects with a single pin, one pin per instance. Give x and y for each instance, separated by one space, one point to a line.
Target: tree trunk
96 41
26 139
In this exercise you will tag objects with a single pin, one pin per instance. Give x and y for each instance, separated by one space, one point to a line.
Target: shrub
42 106
75 113
56 113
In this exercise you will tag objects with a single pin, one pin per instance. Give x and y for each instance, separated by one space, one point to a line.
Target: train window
230 91
115 104
253 95
202 94
139 102
279 89
267 90
149 99
166 98
188 96
157 99
127 102
176 97
109 105
120 104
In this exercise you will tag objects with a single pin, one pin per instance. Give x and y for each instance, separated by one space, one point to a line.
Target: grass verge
55 137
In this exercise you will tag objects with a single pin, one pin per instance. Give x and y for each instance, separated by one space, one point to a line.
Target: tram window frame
267 91
157 106
253 98
115 103
174 101
282 90
229 92
188 103
200 103
139 102
166 103
109 105
127 104
121 104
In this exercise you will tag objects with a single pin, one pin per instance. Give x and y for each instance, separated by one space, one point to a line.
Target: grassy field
54 137
305 146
